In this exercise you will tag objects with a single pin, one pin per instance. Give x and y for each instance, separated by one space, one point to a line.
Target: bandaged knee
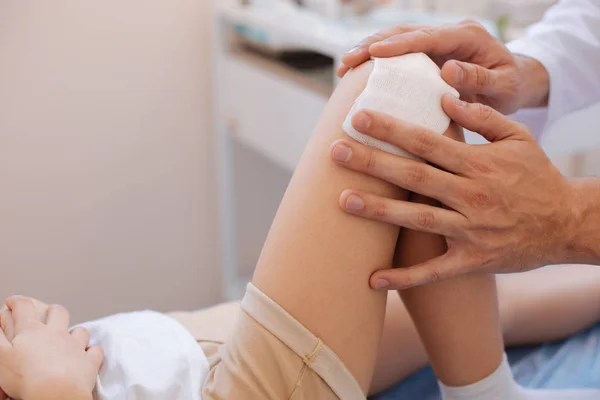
409 88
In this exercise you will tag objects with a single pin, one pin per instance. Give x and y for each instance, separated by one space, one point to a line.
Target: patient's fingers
58 317
6 323
4 340
41 310
96 355
81 335
4 344
23 312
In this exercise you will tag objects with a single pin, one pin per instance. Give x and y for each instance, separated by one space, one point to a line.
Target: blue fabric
573 363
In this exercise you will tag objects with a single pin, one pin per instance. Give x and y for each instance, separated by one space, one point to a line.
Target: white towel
147 356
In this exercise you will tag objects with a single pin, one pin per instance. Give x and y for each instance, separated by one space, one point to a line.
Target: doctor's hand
478 65
508 208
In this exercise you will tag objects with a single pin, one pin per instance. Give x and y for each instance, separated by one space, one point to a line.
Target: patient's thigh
213 324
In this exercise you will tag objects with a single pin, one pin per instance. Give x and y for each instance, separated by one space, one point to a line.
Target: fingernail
341 152
381 284
362 121
459 74
354 203
459 102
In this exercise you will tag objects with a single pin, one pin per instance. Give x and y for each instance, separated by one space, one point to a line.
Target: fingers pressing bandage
407 87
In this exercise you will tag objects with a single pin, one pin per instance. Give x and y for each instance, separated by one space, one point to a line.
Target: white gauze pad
407 87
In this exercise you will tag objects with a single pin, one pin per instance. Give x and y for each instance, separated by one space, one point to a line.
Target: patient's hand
7 324
8 327
40 359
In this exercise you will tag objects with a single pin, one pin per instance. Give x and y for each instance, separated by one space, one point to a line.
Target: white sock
501 386
407 87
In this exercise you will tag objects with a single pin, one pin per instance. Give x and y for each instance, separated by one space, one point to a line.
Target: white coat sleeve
567 43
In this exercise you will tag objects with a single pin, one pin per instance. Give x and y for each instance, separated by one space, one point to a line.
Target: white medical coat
567 42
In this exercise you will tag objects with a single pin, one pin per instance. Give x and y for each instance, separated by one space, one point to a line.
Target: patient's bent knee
407 87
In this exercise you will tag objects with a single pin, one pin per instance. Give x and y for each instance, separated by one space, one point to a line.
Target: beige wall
106 184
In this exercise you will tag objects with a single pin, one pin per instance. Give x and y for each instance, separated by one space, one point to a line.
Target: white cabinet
268 111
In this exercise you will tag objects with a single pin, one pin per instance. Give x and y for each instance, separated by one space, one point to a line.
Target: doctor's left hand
509 209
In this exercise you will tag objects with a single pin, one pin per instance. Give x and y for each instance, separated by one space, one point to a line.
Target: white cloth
407 87
567 43
147 356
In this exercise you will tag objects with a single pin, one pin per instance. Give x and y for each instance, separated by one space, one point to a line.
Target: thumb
437 269
471 78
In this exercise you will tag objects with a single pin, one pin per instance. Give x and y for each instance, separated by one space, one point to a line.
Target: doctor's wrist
534 83
582 235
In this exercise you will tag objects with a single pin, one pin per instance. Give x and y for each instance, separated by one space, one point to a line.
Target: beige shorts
268 355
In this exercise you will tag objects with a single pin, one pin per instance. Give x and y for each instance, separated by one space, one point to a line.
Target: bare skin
523 303
535 216
474 62
39 358
523 298
312 241
317 260
509 209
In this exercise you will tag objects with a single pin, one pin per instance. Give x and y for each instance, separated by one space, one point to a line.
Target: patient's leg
524 301
317 259
458 319
310 324
570 292
459 324
316 265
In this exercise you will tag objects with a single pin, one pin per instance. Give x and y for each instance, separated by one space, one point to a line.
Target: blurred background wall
106 182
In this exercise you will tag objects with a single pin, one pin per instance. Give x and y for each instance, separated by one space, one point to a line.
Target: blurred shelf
285 26
318 79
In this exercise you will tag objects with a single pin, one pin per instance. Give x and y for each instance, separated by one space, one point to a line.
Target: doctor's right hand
508 208
474 62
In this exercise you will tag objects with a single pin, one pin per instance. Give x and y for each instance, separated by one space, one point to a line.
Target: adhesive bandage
407 87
